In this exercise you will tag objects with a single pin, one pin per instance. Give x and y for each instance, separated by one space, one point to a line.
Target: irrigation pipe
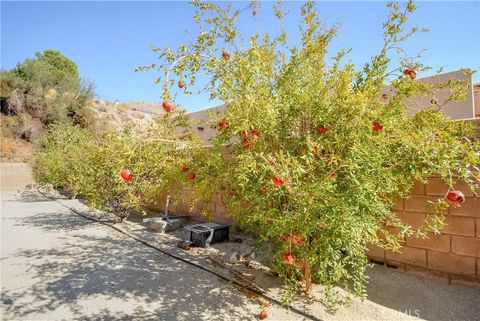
196 265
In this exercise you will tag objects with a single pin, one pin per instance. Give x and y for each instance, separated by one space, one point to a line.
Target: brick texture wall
453 255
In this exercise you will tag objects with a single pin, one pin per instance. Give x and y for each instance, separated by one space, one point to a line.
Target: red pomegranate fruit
289 258
377 126
223 125
168 106
126 174
294 238
263 315
277 180
455 197
322 129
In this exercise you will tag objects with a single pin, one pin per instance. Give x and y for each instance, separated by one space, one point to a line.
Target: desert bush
7 147
48 88
316 155
89 163
50 69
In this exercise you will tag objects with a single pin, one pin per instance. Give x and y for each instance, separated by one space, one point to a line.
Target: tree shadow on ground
101 277
26 196
55 221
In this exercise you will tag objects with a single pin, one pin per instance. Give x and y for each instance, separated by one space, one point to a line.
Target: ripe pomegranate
289 258
377 126
455 197
185 168
225 55
322 129
181 84
294 238
192 176
168 106
249 140
411 72
223 125
277 180
255 133
126 174
263 315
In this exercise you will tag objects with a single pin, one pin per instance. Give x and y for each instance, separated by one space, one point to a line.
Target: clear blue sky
109 39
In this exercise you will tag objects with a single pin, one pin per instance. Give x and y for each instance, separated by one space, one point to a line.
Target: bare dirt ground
56 265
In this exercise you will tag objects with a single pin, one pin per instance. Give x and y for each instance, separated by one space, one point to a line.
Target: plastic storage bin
208 233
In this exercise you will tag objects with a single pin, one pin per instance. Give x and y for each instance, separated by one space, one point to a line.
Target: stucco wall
14 176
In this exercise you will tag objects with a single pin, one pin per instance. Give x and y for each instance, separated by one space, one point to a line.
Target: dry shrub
32 129
138 115
123 107
16 102
7 147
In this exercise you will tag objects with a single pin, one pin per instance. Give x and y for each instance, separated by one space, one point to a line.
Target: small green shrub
88 163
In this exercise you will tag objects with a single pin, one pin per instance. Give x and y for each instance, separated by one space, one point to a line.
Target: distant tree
47 87
59 62
51 69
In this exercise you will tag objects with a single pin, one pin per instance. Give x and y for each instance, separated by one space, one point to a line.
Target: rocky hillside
117 114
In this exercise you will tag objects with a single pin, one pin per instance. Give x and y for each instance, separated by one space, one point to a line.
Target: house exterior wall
454 109
476 99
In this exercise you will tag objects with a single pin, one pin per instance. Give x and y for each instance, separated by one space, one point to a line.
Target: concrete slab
57 265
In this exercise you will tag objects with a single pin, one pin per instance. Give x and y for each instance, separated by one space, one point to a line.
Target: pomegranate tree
314 156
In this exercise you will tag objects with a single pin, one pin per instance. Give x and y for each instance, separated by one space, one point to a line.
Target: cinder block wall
453 255
181 206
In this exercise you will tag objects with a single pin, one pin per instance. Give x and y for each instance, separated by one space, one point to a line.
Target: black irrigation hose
176 257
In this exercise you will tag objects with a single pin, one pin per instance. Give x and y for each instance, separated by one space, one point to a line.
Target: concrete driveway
56 265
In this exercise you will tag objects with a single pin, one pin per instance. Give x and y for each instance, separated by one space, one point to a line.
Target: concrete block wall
455 253
181 205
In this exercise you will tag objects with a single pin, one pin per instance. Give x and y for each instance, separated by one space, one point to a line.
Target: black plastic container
208 233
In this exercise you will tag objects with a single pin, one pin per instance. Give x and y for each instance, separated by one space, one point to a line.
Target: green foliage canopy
316 153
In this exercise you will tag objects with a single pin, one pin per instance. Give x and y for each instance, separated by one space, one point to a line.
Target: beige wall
15 176
202 118
476 99
454 109
455 253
